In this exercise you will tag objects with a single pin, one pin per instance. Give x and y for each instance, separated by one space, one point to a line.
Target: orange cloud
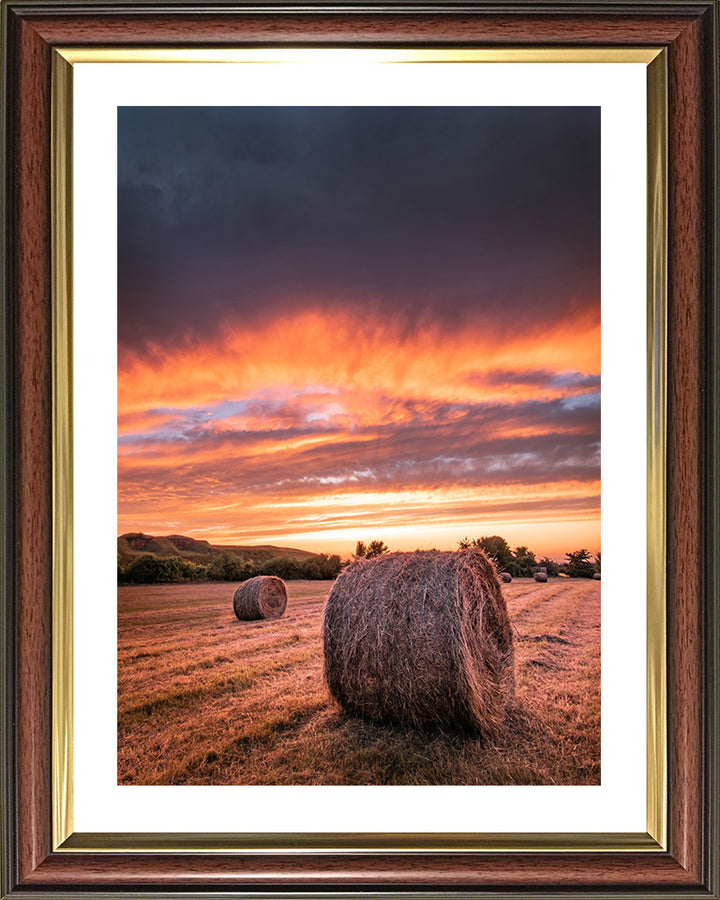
329 428
341 350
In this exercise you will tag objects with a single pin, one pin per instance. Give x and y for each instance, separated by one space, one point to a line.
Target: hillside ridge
134 544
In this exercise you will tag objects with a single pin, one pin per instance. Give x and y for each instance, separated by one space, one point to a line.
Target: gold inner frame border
65 839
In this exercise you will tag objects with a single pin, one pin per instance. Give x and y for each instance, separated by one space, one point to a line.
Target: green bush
149 569
228 567
330 566
191 571
283 567
315 568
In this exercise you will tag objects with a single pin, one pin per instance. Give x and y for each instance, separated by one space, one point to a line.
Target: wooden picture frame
686 863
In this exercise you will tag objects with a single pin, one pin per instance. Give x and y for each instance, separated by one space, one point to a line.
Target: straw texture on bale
505 577
263 597
422 639
540 576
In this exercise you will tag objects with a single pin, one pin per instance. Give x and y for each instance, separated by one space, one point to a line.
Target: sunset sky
342 324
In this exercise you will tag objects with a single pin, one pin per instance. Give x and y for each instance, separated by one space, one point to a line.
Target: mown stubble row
206 699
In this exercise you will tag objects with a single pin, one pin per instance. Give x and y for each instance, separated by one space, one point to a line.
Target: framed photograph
338 343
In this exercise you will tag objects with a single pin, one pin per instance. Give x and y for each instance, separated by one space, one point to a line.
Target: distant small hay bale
505 577
421 639
541 577
263 597
596 576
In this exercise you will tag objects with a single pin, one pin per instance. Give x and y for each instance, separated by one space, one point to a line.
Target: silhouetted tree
579 564
376 548
496 547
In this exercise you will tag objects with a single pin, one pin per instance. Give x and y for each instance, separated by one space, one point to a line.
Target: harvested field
206 699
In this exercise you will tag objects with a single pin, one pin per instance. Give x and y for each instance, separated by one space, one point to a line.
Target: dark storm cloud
535 378
431 214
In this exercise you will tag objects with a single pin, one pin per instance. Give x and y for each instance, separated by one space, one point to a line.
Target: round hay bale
541 577
596 576
421 639
505 577
262 597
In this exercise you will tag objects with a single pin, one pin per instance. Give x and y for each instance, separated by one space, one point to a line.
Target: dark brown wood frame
689 30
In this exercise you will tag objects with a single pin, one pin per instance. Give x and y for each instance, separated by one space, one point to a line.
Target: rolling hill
134 544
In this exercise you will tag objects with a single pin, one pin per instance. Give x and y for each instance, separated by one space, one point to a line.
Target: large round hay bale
596 576
421 639
263 597
505 577
541 577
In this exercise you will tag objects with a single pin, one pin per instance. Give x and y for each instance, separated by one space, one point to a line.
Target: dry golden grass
206 699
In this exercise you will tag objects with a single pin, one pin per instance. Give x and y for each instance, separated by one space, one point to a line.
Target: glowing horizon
552 541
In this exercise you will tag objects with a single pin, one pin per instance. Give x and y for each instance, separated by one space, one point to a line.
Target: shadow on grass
377 753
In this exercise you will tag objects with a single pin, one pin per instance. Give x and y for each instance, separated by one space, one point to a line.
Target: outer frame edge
45 8
7 544
8 476
711 863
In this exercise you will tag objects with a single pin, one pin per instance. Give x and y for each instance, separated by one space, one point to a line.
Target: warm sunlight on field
205 699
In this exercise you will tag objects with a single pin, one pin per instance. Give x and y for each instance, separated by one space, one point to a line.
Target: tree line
521 562
149 569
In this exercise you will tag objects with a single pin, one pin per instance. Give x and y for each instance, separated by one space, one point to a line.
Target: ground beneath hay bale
206 699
